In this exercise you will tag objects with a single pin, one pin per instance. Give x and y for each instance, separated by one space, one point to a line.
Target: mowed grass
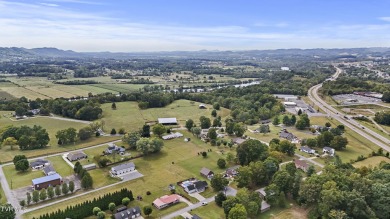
3 199
211 210
129 116
371 161
159 171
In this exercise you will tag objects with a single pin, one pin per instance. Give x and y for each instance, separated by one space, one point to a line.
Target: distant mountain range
46 52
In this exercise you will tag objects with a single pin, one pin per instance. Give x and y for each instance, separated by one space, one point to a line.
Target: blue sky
166 25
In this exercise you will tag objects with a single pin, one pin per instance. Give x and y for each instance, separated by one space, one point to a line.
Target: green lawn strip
3 199
371 161
374 128
210 210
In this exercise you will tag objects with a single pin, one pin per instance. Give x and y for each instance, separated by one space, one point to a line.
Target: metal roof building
167 121
46 179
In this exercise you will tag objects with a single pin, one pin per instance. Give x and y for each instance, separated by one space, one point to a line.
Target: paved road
8 194
353 125
230 192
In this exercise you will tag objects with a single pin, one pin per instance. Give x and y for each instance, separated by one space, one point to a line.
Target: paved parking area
350 99
130 176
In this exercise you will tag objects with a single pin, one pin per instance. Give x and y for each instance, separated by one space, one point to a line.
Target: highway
370 135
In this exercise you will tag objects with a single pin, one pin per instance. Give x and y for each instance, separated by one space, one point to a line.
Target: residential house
329 151
49 170
77 155
264 205
232 171
166 200
206 173
307 150
39 164
122 168
287 135
203 134
167 121
113 148
172 136
301 164
195 217
46 181
128 213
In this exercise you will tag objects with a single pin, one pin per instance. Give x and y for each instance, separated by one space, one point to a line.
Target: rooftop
46 179
123 166
167 120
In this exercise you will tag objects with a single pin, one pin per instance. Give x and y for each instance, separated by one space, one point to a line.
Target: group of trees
66 136
245 204
21 163
382 117
234 128
85 209
49 193
147 146
344 192
251 150
327 139
303 122
26 137
283 146
86 179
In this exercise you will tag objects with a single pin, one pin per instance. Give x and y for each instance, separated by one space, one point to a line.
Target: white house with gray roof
122 169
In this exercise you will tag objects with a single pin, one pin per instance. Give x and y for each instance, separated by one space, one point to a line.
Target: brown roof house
301 164
206 173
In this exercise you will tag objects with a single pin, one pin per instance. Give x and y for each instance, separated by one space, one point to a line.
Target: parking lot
351 99
305 108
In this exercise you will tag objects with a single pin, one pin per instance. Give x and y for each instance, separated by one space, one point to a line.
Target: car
204 203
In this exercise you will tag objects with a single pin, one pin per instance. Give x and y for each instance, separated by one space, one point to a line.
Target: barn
46 181
167 121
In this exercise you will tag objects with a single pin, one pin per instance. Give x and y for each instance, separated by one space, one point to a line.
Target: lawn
209 211
159 170
129 116
3 199
18 179
371 161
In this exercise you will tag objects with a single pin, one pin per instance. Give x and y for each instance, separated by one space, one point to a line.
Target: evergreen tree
43 195
65 189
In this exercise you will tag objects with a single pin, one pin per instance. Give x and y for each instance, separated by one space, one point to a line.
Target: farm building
166 201
206 173
46 181
122 168
89 166
39 164
49 170
167 121
78 155
128 213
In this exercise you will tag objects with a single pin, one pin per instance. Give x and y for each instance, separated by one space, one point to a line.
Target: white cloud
49 4
385 19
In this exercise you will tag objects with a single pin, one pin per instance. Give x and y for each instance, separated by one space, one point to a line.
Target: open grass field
159 170
209 211
371 161
357 145
129 116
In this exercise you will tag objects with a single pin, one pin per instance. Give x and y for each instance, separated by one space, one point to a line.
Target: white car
204 203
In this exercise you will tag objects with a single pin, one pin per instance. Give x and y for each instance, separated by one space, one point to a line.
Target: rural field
168 167
3 199
129 116
371 161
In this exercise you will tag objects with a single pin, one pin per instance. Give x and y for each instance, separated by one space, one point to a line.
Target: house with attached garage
194 186
39 164
166 200
307 150
77 155
114 148
329 150
206 173
122 168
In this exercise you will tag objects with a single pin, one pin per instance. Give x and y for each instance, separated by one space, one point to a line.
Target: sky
171 25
